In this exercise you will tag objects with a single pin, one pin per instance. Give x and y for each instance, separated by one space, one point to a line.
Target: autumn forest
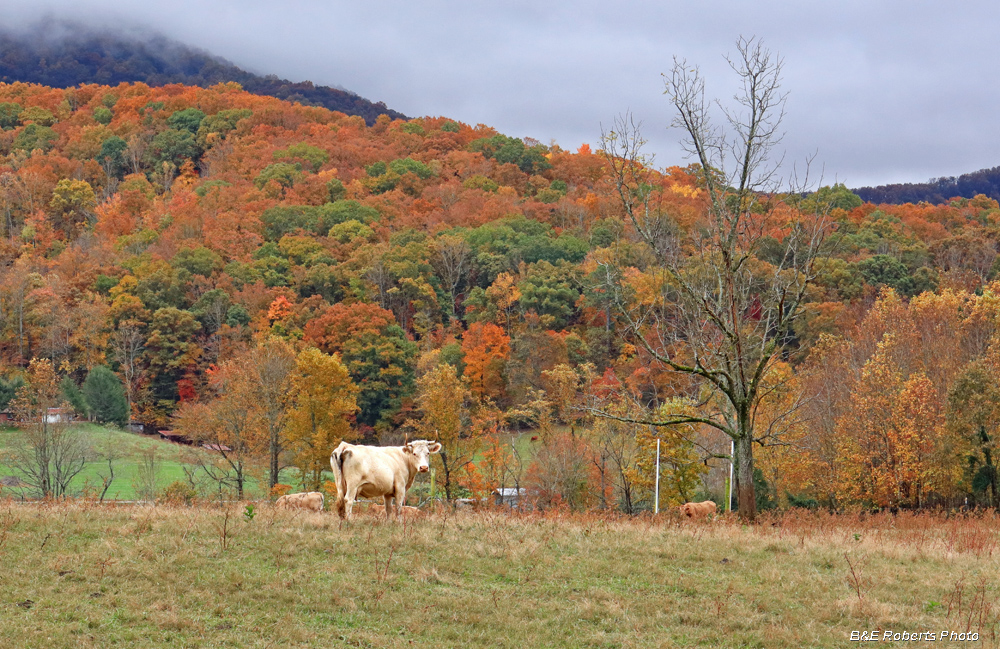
271 278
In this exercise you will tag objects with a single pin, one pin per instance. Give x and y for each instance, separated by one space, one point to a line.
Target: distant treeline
62 55
936 190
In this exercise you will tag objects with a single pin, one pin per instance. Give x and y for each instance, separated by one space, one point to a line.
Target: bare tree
272 363
215 316
108 451
111 178
509 467
717 314
226 427
136 151
219 472
16 283
379 275
49 453
8 185
146 479
126 343
615 453
451 262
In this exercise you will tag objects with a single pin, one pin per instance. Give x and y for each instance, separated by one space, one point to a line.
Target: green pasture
130 449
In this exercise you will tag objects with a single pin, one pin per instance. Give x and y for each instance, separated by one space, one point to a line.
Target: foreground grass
80 575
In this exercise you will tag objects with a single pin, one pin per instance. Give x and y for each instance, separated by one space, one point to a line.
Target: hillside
63 55
175 233
936 191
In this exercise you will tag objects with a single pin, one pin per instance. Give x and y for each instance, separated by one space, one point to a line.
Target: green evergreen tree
8 390
105 396
71 392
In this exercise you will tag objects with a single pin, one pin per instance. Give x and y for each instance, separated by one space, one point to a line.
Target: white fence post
732 457
656 499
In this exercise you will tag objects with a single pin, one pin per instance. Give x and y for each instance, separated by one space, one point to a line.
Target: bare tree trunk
273 451
447 475
106 480
746 496
127 343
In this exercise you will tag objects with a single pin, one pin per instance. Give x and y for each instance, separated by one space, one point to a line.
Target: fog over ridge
888 92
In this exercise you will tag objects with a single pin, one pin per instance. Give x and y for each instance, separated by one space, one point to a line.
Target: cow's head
421 451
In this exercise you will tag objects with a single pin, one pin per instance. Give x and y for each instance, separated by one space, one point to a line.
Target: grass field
76 574
130 448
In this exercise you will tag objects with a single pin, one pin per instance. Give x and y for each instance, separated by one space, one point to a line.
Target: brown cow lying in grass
312 500
698 510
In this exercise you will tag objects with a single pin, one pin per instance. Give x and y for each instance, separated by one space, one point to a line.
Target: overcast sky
881 92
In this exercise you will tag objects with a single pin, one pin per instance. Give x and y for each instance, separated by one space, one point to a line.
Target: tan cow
374 471
698 510
312 500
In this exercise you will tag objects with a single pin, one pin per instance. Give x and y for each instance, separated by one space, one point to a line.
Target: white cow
372 471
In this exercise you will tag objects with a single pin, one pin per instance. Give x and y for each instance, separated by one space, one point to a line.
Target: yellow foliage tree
680 466
442 397
615 449
790 465
562 385
503 295
323 398
892 448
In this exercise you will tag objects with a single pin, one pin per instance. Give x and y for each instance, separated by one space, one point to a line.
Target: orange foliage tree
486 348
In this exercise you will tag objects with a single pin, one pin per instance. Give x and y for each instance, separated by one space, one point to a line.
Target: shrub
805 502
766 498
178 493
329 490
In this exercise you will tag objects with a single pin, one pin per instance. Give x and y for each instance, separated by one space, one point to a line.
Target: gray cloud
882 92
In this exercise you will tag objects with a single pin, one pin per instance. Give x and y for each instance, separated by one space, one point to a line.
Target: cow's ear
435 447
408 448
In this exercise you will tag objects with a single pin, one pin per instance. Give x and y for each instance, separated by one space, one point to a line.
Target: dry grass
80 575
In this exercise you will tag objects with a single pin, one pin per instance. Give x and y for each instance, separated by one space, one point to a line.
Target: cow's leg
352 493
388 506
400 500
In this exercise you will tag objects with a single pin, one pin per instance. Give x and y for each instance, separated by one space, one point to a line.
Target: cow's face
421 451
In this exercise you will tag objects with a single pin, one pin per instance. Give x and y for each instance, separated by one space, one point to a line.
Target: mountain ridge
936 190
62 54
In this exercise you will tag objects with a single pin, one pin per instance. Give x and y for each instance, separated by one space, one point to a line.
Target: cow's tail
337 464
